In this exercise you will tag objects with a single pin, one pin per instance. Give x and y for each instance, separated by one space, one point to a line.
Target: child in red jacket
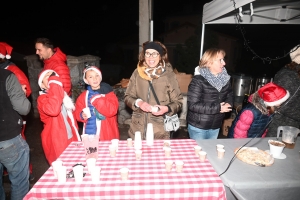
55 108
102 103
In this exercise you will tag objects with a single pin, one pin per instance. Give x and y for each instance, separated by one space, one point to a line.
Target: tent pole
202 40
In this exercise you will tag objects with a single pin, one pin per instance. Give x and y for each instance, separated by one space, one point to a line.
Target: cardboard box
184 81
226 125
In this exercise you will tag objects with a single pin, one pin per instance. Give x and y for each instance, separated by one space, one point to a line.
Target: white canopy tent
250 12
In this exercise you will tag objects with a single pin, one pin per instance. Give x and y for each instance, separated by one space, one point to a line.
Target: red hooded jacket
57 62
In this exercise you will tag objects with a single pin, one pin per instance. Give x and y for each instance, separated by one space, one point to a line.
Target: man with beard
54 59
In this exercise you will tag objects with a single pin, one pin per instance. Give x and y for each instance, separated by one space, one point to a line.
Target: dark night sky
81 27
92 27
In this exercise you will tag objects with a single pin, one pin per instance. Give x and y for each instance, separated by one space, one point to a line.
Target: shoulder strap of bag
152 89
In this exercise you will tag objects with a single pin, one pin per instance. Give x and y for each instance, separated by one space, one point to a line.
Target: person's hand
160 111
225 107
144 106
84 116
24 88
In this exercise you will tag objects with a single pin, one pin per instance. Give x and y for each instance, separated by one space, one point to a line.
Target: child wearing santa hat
252 119
102 105
56 112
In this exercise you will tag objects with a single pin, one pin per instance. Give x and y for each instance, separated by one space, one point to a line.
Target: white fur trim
42 75
56 82
2 56
278 102
94 69
68 102
97 97
8 57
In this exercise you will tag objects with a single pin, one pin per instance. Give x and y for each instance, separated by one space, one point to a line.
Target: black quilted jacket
203 102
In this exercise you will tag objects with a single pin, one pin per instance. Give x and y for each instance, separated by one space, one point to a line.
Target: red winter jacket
57 62
107 105
54 135
21 77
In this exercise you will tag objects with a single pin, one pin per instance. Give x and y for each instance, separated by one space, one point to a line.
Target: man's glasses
154 54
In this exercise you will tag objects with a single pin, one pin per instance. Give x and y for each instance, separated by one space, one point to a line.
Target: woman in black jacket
209 96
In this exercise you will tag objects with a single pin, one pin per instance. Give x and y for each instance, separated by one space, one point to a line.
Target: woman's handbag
171 123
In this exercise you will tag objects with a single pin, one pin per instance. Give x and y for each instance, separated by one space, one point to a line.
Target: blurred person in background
54 59
288 77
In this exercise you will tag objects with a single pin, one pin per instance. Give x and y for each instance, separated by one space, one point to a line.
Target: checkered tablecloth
148 178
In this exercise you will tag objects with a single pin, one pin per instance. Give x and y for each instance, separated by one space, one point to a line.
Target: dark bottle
245 100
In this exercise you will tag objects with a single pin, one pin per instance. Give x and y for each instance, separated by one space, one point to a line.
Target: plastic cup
221 153
220 146
167 151
129 142
95 173
168 165
202 156
61 174
124 173
112 150
115 142
78 173
138 154
197 149
179 165
87 112
55 165
91 163
167 143
276 148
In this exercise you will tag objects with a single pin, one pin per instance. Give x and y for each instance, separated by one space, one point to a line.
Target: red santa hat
273 94
94 68
43 74
5 50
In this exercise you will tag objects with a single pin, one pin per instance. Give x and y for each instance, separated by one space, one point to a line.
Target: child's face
44 84
93 79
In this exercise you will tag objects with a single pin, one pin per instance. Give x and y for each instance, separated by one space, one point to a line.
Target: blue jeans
200 134
14 155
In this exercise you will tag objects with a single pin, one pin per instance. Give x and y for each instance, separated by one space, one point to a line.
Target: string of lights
247 42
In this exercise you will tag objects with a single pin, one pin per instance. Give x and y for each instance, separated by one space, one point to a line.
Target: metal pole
202 40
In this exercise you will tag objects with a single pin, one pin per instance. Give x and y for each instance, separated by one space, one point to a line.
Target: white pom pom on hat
295 54
94 68
273 94
5 50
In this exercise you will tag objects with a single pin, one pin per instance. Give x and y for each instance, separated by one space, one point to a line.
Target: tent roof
264 12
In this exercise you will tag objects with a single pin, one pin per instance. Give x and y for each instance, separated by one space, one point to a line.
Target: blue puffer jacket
90 127
259 122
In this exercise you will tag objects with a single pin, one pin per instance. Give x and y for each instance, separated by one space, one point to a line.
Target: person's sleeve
17 97
243 124
107 104
64 74
195 96
21 77
79 105
176 99
130 93
54 97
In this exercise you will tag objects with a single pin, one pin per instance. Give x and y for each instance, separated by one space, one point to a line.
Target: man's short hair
45 41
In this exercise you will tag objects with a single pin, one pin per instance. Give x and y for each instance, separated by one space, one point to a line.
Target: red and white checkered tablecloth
148 178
